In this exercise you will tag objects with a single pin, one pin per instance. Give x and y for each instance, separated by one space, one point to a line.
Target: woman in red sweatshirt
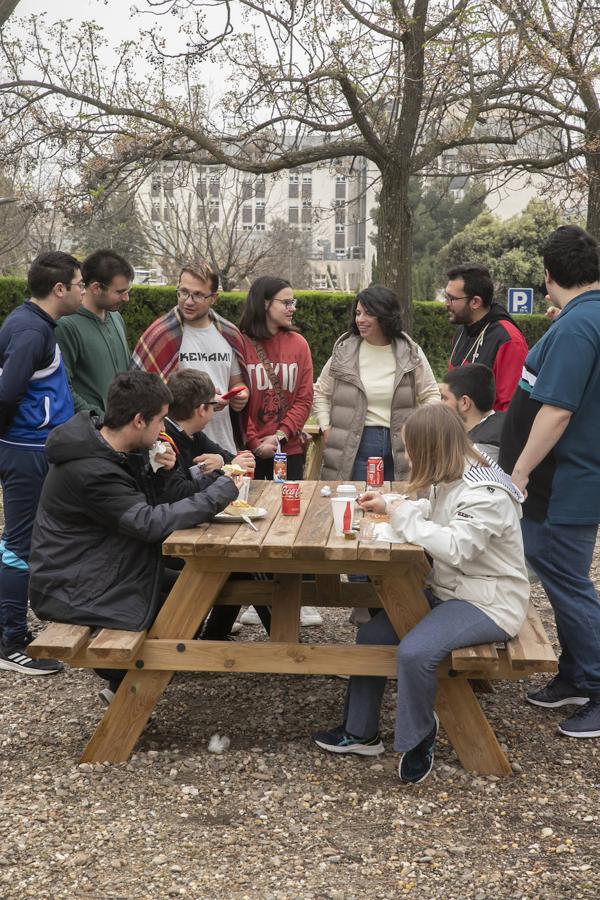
280 376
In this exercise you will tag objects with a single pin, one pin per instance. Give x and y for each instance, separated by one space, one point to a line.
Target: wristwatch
281 435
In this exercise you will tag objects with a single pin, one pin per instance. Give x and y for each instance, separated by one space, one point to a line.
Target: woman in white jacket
478 588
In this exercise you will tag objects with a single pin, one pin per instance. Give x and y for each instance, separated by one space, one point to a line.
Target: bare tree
308 81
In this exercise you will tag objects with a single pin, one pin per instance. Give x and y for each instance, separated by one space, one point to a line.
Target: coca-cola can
290 498
375 471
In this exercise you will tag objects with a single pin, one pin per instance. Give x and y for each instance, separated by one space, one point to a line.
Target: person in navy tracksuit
34 399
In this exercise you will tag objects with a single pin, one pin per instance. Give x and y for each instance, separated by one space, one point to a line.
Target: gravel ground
274 817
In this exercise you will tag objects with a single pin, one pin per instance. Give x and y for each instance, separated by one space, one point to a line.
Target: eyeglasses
213 403
79 284
289 304
450 299
196 296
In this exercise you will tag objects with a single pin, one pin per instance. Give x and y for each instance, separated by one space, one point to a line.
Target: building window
294 178
340 216
155 215
246 214
260 188
215 211
246 190
260 227
307 178
306 215
294 189
247 227
168 186
306 189
156 186
201 189
340 229
340 243
340 187
293 216
215 184
259 213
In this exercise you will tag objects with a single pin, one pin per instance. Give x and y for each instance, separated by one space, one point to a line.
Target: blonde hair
203 272
438 447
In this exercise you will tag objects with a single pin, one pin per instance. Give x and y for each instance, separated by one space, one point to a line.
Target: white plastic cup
244 492
338 506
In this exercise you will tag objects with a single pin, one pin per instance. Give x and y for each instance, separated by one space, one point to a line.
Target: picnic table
288 547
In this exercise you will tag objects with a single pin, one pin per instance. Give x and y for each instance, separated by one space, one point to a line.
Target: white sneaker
310 615
250 617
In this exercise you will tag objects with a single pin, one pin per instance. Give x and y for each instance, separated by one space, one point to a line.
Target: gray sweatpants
449 625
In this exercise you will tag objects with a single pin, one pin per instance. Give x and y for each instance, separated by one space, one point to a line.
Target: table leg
192 596
285 611
462 717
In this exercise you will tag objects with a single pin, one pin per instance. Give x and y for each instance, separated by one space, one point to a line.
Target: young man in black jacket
469 391
190 410
103 515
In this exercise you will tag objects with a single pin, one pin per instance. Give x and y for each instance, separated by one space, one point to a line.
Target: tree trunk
394 238
593 197
7 8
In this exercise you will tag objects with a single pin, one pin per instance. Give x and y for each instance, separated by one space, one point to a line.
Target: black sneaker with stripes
15 659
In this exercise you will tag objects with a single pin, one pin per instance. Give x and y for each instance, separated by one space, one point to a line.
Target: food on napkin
233 469
240 508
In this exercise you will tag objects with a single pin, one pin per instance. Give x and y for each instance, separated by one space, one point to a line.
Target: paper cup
245 489
338 506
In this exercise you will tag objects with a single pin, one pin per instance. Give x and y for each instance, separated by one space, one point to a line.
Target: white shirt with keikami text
206 350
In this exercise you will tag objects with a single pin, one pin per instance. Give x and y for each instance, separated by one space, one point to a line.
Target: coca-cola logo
290 490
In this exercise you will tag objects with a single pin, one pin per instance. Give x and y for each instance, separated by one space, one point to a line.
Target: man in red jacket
487 334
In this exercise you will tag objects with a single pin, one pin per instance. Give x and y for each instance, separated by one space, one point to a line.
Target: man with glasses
486 334
34 399
93 342
194 336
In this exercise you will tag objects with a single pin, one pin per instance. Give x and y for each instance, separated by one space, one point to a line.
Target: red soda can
290 498
375 471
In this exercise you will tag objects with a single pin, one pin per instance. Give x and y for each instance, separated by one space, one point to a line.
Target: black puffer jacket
96 548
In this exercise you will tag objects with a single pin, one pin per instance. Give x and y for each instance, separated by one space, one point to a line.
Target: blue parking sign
520 300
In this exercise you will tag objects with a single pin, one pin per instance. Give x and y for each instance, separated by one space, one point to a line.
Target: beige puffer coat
341 402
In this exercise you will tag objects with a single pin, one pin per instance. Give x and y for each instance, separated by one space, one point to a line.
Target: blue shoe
585 723
416 764
339 741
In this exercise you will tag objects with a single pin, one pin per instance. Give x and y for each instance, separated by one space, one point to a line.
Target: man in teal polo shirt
550 443
94 345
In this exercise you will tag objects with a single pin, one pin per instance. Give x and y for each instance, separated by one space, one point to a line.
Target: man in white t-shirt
193 336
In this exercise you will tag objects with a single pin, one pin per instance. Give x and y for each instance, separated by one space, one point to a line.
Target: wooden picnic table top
308 536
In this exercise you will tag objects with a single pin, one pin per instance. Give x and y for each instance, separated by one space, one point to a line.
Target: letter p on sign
520 300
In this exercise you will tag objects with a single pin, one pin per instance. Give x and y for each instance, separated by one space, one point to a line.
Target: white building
331 203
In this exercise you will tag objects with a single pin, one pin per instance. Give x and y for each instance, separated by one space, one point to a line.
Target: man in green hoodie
94 346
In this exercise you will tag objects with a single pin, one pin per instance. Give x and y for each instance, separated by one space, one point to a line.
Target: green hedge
321 316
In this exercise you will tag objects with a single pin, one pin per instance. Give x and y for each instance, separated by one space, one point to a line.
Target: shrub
321 317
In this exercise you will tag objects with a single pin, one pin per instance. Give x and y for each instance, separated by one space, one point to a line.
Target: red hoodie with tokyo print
289 355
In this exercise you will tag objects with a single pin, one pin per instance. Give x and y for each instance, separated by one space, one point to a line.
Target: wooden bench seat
58 641
530 651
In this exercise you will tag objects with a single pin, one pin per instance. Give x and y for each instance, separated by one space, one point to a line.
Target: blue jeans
450 624
22 473
561 555
375 441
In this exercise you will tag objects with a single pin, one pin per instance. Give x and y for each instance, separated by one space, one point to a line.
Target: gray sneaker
585 723
557 693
